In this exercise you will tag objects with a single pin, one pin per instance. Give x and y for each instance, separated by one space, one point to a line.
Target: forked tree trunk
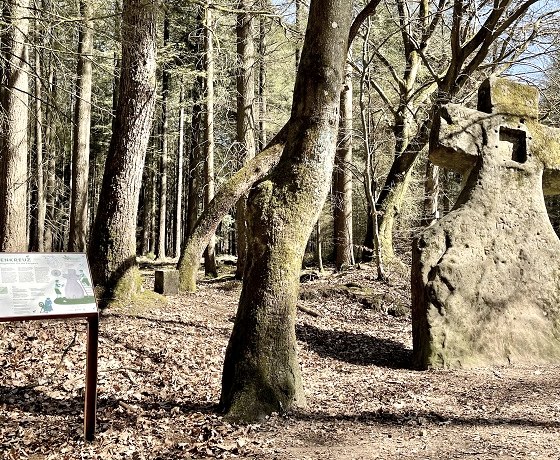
261 370
112 250
14 103
79 221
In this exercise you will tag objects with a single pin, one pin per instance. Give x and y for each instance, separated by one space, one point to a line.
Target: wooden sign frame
92 317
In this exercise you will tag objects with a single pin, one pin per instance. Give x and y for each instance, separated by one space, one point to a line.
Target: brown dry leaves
159 385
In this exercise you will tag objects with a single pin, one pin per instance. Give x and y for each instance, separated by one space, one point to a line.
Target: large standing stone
486 277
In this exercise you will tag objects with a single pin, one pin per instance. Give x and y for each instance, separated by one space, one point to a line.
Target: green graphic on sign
39 284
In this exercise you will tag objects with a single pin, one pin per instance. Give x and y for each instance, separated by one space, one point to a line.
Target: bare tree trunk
210 253
369 182
319 245
195 156
162 233
79 221
431 194
245 117
112 250
261 370
117 65
179 189
14 103
51 161
262 79
300 13
148 185
40 170
342 180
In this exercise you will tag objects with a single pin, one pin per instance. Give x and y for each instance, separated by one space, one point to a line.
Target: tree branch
368 10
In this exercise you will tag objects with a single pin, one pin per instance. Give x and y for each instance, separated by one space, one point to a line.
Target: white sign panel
45 284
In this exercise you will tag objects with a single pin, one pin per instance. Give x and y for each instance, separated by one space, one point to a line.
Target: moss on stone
504 96
129 293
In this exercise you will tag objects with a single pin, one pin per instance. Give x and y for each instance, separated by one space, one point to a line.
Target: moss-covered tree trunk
205 227
112 249
261 370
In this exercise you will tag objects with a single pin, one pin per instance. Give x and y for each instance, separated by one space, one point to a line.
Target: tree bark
262 79
51 160
180 178
261 371
40 170
14 103
79 221
245 117
162 228
342 180
209 190
112 250
431 194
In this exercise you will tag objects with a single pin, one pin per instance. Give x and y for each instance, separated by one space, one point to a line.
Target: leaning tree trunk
79 223
392 195
230 192
13 133
261 370
112 250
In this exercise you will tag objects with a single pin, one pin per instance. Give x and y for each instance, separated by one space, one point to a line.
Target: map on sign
43 284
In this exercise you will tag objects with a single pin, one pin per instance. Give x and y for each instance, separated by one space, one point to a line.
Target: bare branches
360 19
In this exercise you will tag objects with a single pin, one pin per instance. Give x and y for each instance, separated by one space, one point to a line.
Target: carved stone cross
486 277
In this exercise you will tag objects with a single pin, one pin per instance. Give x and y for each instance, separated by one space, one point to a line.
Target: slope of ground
159 384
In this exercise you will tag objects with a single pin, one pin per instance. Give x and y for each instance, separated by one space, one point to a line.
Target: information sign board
36 286
40 284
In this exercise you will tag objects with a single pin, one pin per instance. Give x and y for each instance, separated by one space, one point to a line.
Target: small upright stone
167 282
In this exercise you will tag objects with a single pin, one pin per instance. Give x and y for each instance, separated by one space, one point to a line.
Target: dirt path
159 384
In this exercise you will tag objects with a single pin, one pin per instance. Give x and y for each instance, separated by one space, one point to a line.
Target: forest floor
159 385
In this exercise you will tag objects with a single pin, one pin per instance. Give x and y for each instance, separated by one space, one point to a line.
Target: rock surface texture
486 277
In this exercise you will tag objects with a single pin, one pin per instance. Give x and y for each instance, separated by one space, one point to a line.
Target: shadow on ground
355 348
389 418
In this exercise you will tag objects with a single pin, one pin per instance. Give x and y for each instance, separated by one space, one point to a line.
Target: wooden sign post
36 286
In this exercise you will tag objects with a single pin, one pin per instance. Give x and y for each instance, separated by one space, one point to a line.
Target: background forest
225 74
276 132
